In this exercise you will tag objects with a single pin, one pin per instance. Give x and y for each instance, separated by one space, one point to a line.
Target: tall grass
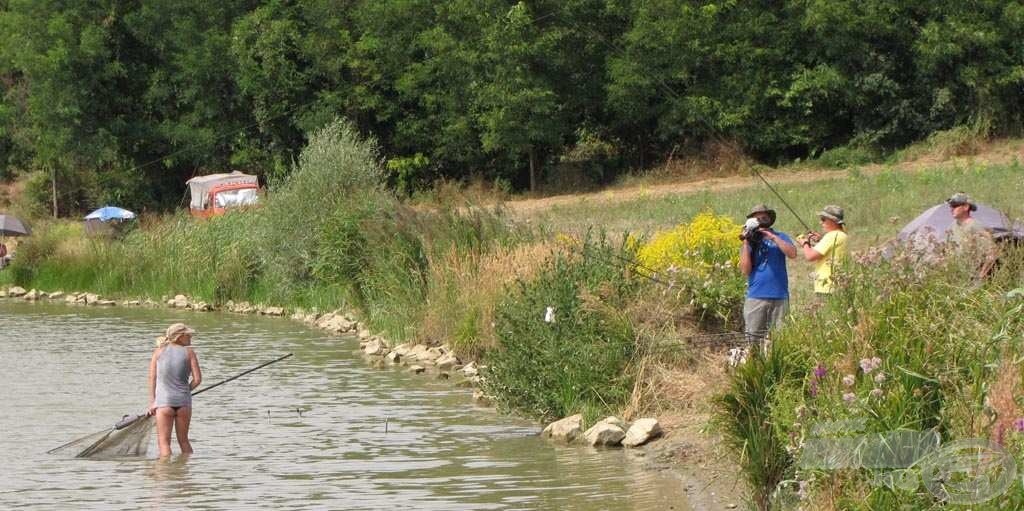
908 343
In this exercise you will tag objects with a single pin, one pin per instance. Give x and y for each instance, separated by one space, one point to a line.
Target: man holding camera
763 261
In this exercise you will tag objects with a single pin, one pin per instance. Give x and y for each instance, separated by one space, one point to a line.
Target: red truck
216 193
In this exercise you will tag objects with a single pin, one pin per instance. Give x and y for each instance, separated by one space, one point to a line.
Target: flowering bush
708 241
701 258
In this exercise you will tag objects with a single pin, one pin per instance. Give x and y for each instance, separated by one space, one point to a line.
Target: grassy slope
878 201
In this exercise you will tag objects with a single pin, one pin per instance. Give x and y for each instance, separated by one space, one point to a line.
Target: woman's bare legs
165 420
181 422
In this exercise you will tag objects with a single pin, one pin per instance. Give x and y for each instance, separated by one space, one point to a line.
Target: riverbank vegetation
567 321
121 102
907 345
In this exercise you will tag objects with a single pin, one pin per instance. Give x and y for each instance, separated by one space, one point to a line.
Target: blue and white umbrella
108 213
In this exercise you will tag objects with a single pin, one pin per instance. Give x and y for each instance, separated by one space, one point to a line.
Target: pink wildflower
1018 424
849 397
820 371
849 380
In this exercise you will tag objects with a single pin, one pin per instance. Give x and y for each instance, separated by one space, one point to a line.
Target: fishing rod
779 195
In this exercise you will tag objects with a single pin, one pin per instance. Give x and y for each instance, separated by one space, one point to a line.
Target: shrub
579 361
702 258
848 156
339 176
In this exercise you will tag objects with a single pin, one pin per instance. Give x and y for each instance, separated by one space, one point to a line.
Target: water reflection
306 433
169 469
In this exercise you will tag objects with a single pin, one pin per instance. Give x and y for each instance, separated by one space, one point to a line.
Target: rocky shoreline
439 361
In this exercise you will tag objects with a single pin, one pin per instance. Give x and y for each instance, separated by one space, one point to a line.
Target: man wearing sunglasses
969 238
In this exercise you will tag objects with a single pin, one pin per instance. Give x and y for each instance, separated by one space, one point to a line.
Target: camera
751 231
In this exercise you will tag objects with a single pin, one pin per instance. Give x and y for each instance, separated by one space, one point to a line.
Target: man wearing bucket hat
970 239
173 374
827 251
763 260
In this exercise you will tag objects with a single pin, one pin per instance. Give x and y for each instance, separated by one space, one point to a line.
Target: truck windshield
234 198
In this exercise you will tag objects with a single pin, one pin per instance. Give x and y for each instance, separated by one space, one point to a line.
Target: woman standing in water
173 374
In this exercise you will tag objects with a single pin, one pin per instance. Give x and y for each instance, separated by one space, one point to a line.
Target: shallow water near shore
320 430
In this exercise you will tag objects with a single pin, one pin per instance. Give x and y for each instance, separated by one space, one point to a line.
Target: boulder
470 370
430 355
615 421
31 296
242 308
481 399
56 295
446 361
364 333
375 347
566 430
402 349
179 302
416 352
133 303
417 369
393 357
16 291
334 323
305 317
272 311
201 307
604 434
71 298
105 303
3 294
641 432
91 298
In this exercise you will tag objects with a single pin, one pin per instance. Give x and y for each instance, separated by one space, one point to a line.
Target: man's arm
810 253
745 262
782 242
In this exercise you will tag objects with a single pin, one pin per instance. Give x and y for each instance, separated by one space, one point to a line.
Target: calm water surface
305 433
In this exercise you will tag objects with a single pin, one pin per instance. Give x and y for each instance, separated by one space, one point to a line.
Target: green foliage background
124 100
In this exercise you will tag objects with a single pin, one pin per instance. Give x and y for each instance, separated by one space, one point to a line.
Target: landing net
132 439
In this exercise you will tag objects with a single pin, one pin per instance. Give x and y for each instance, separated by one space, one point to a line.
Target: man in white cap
969 238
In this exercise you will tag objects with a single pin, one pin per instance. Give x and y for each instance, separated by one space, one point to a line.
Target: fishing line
777 194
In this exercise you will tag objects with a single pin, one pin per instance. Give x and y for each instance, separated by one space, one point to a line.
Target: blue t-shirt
768 279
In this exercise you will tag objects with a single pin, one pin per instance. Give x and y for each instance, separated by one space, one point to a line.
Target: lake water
320 430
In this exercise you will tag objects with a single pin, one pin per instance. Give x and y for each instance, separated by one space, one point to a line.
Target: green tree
517 105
